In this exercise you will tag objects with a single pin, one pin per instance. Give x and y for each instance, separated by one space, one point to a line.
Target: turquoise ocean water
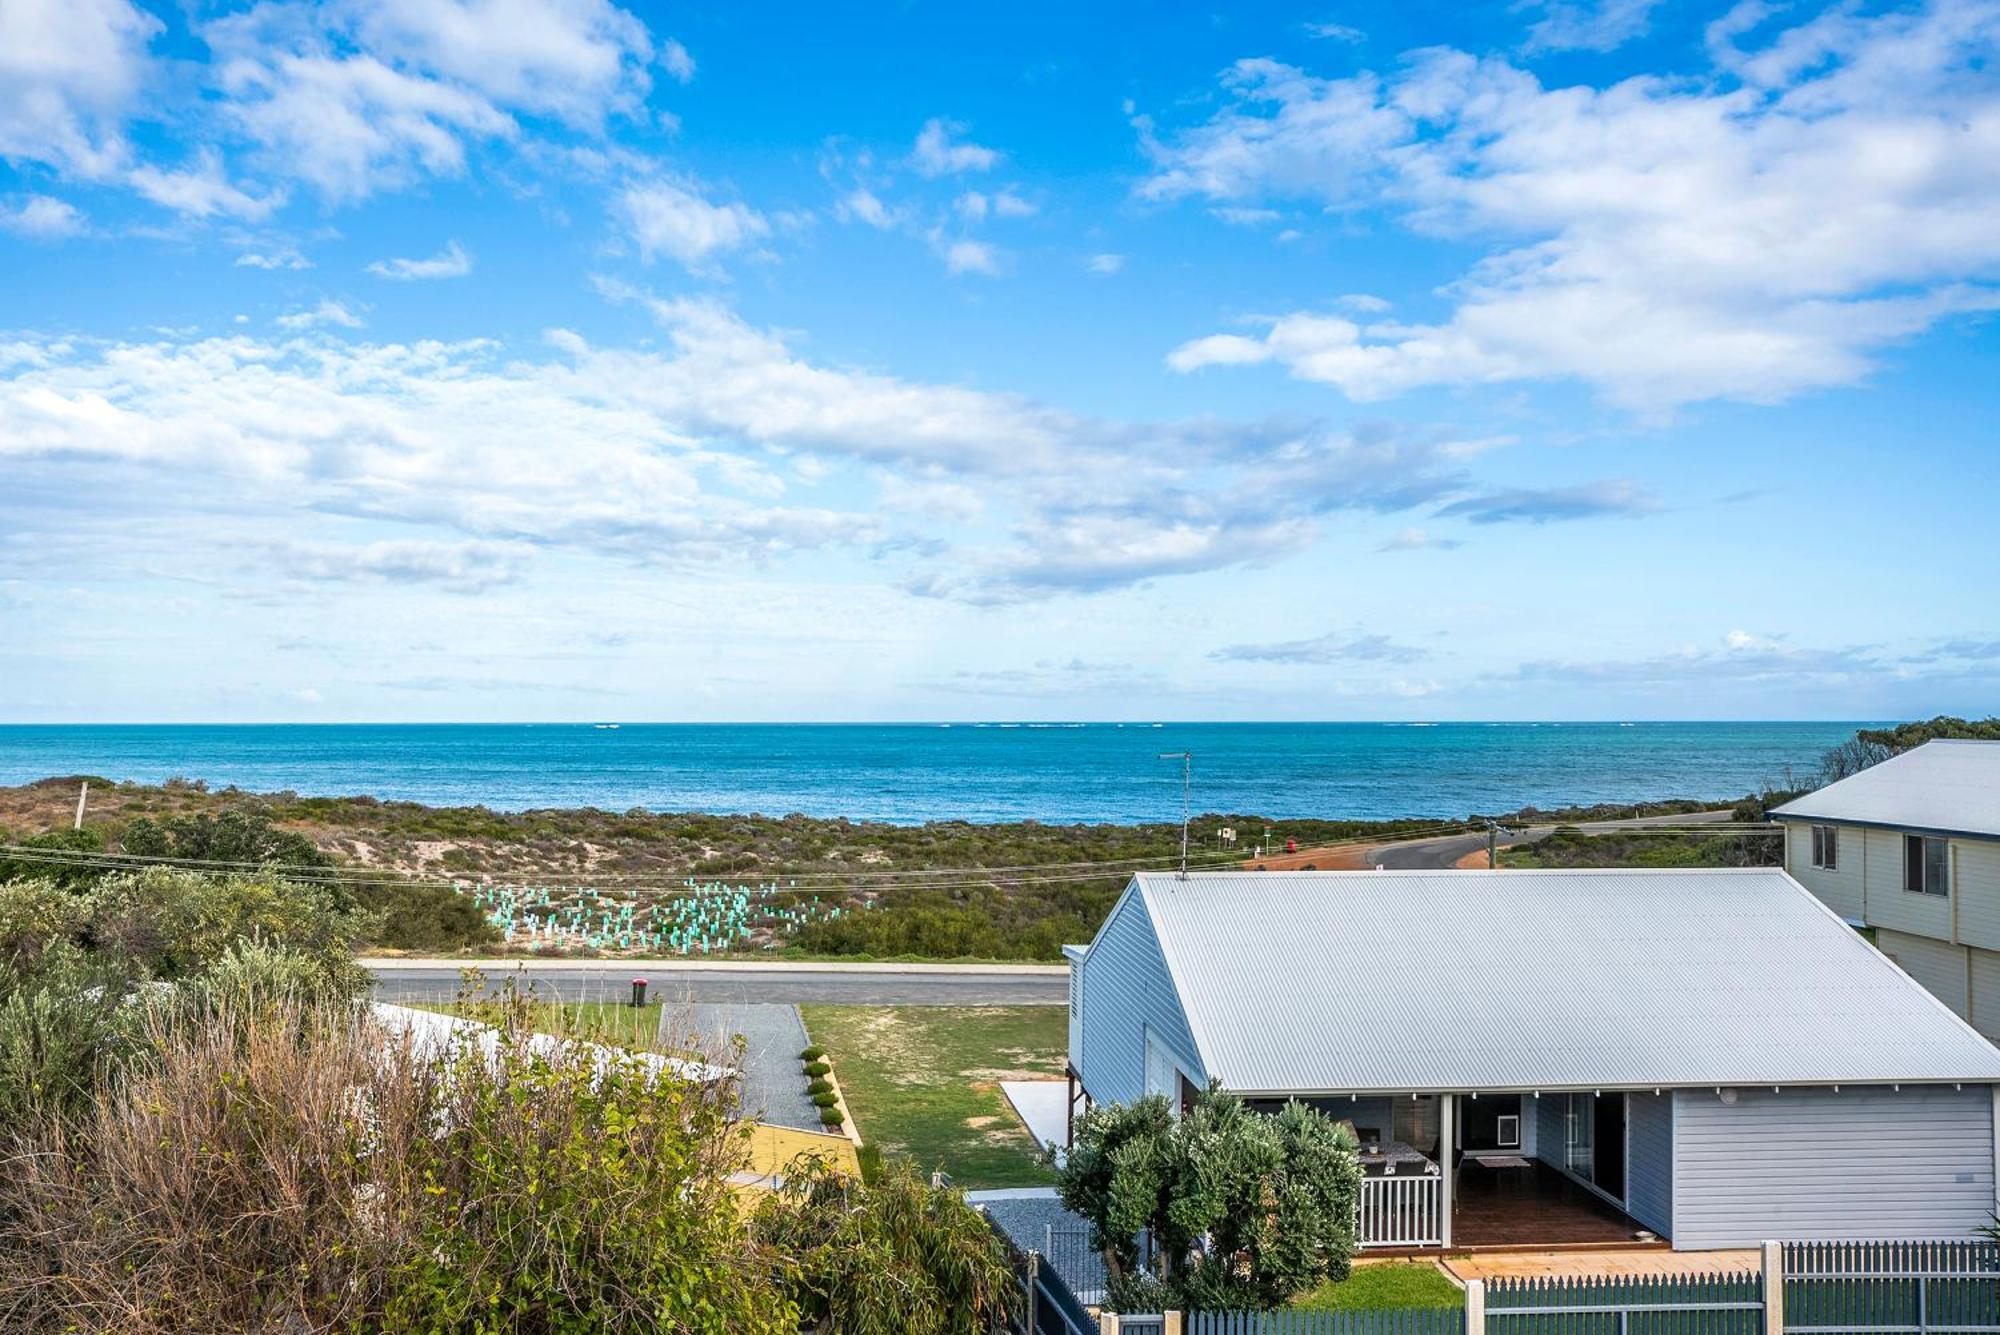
970 771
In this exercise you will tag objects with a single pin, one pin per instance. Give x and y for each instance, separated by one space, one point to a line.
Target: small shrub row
825 1099
822 1085
830 1117
812 1054
817 1069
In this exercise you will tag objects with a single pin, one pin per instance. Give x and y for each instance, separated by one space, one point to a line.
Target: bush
812 1054
817 1069
889 1256
1244 1210
820 1085
58 1033
422 917
825 1099
831 1117
300 1168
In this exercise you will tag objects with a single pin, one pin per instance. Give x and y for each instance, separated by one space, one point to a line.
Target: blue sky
522 359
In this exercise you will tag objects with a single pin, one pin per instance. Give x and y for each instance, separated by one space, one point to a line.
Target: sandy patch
1332 857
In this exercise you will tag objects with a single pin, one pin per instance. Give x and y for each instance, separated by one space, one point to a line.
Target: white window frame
1826 847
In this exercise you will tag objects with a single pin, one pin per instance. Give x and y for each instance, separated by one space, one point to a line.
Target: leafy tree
71 876
1243 1209
240 839
893 1256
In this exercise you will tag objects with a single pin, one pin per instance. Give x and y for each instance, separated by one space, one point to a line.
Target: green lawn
598 1021
1389 1284
922 1081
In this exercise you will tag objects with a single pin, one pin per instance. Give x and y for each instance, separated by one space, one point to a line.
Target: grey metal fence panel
1892 1288
1305 1321
1716 1304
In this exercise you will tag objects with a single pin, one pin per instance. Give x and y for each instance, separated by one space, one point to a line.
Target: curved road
1434 854
711 981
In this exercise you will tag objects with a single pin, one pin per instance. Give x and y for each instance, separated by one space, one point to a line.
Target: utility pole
1492 846
82 797
1187 787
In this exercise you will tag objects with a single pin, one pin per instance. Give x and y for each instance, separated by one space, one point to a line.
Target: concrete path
1042 1105
684 981
773 1087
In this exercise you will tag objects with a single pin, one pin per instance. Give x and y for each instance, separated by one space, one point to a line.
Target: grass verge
923 1082
1373 1288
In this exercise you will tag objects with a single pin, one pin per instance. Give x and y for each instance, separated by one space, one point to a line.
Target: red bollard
638 991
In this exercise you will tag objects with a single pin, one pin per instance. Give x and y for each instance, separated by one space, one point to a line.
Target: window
1825 847
1507 1131
1926 865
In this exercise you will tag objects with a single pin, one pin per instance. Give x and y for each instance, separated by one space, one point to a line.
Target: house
1910 850
1557 1057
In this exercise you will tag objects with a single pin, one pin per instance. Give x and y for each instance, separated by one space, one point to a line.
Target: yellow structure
773 1149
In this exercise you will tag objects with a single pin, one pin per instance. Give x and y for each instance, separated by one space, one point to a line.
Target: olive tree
1242 1209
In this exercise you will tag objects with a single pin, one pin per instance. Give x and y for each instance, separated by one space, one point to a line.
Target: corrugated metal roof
1372 981
1948 786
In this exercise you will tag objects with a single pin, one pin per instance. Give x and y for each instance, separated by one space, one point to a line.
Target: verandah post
1774 1288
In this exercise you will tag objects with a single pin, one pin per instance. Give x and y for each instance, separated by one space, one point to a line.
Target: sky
557 359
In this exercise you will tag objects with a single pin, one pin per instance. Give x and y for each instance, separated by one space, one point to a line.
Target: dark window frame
1927 865
1826 847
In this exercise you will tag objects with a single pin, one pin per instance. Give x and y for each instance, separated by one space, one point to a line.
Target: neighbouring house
1557 1057
1910 849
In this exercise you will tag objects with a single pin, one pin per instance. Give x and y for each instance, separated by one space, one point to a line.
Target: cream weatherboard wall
1948 943
1839 888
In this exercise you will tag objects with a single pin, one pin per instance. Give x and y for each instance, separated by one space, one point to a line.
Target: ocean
1054 772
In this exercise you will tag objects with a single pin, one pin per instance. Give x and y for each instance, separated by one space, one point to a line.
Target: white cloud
70 71
940 152
1105 264
357 96
863 205
965 256
1335 32
685 454
671 217
1666 242
202 190
1332 647
278 259
327 313
1418 540
467 567
41 218
1589 25
451 262
1007 204
676 61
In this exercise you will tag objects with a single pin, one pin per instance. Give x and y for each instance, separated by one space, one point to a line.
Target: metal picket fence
1712 1304
1297 1321
1873 1288
1892 1288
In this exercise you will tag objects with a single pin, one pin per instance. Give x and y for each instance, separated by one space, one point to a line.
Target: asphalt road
889 985
1433 854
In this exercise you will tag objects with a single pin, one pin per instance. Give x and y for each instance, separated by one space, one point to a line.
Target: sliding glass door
1594 1140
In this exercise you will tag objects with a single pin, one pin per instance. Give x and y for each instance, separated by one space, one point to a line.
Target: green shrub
422 917
297 1168
817 1069
812 1054
825 1099
891 1255
831 1117
820 1085
59 1031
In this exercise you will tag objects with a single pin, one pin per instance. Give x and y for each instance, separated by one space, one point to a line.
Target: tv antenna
1187 787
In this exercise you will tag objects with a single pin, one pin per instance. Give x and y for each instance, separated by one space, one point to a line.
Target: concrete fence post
1170 1323
1774 1288
1107 1323
1475 1307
